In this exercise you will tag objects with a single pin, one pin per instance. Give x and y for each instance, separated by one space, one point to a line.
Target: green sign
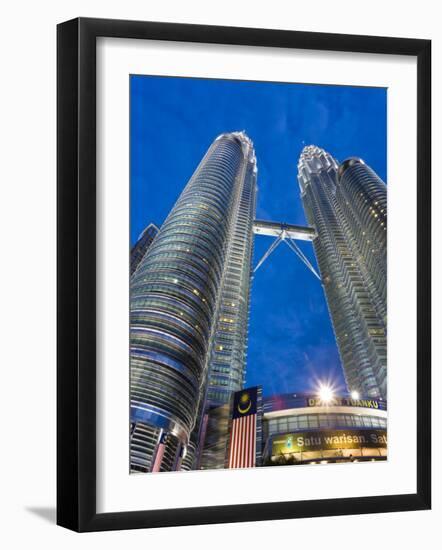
328 440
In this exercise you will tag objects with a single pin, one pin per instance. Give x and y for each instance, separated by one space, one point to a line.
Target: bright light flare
355 395
326 394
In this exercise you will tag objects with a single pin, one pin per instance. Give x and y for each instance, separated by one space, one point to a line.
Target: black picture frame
76 272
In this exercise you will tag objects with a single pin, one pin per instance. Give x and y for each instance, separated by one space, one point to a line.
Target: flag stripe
254 445
251 443
232 445
233 449
243 438
243 442
229 463
235 445
246 441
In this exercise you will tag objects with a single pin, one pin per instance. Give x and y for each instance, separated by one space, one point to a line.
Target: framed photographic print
240 335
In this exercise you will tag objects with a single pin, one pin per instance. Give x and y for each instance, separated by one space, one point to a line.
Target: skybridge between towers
287 233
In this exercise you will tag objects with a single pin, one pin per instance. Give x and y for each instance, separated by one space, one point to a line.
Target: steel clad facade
347 206
175 302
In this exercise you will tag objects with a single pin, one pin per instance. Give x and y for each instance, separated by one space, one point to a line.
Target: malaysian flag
242 448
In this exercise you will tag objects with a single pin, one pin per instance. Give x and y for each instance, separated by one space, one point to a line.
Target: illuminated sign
345 402
328 440
295 401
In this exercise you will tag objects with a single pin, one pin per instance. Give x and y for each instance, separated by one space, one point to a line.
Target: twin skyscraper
190 292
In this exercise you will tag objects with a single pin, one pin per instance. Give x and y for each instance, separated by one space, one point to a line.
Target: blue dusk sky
174 121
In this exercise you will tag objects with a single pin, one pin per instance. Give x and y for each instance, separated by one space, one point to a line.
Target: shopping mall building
300 429
304 429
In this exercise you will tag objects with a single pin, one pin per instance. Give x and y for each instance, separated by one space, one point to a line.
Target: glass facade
214 453
141 246
228 353
228 349
290 423
346 205
179 294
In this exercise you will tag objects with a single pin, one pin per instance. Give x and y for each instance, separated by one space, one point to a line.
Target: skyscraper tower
228 354
347 206
363 196
177 294
140 248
